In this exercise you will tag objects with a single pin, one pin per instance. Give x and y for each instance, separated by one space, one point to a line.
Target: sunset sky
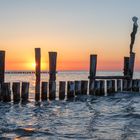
73 28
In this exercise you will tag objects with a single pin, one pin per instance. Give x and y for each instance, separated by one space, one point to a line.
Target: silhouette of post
16 91
37 73
2 66
44 92
93 65
52 65
25 91
126 66
62 86
131 64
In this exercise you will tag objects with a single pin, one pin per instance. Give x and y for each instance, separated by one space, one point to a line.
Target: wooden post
97 88
135 85
52 65
0 92
25 91
139 85
52 90
102 87
62 85
119 85
131 64
93 65
6 92
2 66
109 86
129 85
125 85
91 87
113 86
77 87
126 66
16 91
70 89
44 92
84 86
37 73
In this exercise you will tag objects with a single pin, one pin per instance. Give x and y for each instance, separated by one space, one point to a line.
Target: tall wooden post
93 65
126 66
2 66
52 65
37 73
131 64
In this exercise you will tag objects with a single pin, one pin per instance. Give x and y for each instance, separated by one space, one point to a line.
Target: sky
73 28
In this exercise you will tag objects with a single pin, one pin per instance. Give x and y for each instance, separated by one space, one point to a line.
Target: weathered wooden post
93 65
6 92
37 73
113 86
70 89
97 88
44 92
25 91
124 85
119 89
77 87
0 92
109 86
91 87
2 66
131 64
135 85
102 87
84 86
16 91
126 66
129 85
52 90
62 87
52 65
138 85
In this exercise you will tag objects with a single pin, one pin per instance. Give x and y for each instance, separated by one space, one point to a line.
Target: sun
33 65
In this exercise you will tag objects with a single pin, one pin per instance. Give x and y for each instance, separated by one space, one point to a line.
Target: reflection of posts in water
135 26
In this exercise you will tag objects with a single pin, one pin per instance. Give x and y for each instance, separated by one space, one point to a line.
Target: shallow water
86 117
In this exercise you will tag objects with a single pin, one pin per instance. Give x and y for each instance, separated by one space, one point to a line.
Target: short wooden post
0 92
139 85
119 85
102 87
97 88
91 87
84 86
70 89
113 86
44 91
124 85
131 64
129 85
37 73
109 86
2 66
93 65
52 65
77 87
126 66
16 91
62 87
135 85
25 91
52 90
6 92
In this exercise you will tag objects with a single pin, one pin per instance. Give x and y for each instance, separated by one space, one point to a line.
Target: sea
87 117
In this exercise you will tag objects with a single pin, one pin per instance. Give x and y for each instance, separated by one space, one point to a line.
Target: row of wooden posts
67 90
97 85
